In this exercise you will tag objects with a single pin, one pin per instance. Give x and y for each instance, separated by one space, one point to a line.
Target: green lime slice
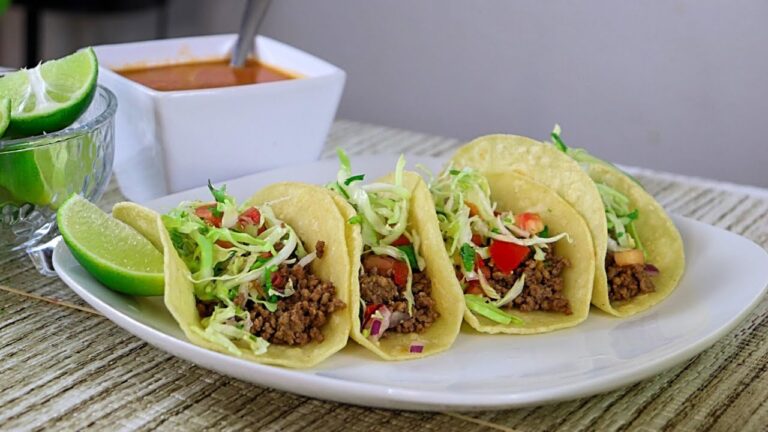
52 95
47 174
112 252
5 114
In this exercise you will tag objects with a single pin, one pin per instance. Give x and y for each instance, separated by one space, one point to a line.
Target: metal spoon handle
252 18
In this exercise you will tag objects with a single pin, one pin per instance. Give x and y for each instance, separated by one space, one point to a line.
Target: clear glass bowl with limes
38 173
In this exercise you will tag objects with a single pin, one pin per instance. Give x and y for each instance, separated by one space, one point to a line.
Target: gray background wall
677 85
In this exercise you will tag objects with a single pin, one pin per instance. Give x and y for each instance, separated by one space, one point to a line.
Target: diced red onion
416 347
651 270
378 326
375 327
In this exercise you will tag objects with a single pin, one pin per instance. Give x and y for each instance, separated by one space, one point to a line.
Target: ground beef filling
378 288
543 289
299 318
626 282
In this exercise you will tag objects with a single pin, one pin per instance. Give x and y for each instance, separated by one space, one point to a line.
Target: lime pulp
50 96
111 251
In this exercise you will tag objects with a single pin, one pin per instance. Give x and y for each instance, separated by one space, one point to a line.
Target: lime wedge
47 174
5 114
112 252
52 95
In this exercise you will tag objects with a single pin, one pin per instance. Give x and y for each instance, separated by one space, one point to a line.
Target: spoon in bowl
252 18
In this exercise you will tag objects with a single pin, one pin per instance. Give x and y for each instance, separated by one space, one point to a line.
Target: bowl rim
20 144
183 41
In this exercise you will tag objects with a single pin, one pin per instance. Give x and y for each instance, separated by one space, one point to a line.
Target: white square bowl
168 141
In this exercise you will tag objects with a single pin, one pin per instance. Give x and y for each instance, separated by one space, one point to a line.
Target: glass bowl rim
67 133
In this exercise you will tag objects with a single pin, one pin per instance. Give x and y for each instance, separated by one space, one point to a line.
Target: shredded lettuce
618 213
481 306
221 271
382 213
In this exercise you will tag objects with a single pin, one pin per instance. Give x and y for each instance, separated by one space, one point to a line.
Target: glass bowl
38 173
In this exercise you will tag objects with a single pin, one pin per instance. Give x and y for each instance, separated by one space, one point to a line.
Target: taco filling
627 271
251 275
395 290
504 261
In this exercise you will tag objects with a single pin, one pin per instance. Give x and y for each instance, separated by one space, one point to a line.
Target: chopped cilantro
220 195
410 253
544 233
467 256
354 178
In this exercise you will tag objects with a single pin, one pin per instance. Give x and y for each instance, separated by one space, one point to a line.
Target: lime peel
52 95
5 114
113 252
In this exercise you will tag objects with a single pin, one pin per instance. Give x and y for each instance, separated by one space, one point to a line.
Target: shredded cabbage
618 213
481 306
223 261
382 212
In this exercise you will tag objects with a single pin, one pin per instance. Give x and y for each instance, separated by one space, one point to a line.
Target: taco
267 282
405 301
639 252
522 255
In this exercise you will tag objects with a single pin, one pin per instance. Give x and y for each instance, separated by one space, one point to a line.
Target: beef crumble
626 282
378 288
299 318
543 289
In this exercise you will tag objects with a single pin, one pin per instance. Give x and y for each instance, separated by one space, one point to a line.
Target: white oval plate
726 276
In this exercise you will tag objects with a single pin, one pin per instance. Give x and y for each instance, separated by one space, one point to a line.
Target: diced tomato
480 266
205 212
370 310
250 216
507 256
225 244
477 239
382 263
473 211
278 281
401 273
473 287
401 241
530 222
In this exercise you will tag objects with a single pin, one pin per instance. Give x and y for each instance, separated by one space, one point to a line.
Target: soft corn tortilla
445 288
658 234
313 215
545 164
519 194
141 219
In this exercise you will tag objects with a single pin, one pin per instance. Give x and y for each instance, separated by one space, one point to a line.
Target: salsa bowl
168 141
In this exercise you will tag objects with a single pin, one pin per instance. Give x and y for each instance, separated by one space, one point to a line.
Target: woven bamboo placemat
65 367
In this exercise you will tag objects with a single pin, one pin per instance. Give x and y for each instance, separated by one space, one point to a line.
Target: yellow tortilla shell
141 219
313 215
658 234
547 165
519 194
445 288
